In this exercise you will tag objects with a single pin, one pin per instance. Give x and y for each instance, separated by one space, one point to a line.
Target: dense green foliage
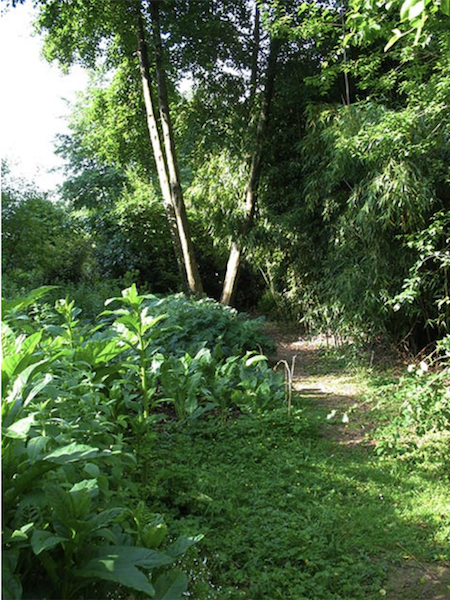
118 438
351 234
328 520
351 198
67 467
41 241
79 415
351 230
130 419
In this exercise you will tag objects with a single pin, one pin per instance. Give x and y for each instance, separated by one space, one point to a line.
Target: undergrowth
287 514
81 403
153 452
290 513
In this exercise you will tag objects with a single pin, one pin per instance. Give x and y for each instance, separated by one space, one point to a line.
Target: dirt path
340 393
317 378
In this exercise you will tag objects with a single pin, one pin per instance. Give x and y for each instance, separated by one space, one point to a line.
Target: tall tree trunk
255 54
344 58
161 166
251 192
193 275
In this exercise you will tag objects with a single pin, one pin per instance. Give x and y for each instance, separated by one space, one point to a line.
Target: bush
79 409
42 242
69 475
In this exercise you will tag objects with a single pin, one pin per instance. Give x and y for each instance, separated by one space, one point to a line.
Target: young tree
251 192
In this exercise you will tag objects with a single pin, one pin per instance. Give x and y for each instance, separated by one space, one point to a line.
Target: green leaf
80 495
191 405
406 6
445 7
141 557
153 534
91 469
20 535
74 452
120 564
22 381
87 485
171 586
130 294
255 359
44 540
115 569
180 545
38 388
19 430
416 9
22 357
60 501
130 321
98 352
99 522
8 338
397 35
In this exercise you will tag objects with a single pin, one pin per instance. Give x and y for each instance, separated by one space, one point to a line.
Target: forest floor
351 426
305 506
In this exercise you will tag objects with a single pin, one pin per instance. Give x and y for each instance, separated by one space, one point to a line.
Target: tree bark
255 54
161 166
192 272
251 192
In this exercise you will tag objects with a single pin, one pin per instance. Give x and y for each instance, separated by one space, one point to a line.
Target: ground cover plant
415 407
130 462
78 417
292 508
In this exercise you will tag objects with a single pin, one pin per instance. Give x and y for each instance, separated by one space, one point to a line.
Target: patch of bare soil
314 377
414 581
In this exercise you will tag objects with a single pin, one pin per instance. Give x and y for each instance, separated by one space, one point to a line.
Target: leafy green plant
196 324
132 325
198 384
424 400
79 404
14 311
184 383
69 531
249 383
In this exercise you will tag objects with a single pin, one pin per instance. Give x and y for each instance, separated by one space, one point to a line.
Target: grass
290 513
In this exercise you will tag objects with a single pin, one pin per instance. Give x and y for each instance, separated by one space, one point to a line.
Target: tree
166 160
86 31
42 243
402 18
251 192
353 195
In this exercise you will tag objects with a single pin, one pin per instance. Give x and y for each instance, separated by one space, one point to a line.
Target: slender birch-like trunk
255 55
161 167
190 263
251 192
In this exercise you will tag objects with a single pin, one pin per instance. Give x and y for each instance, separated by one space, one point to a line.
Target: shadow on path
323 383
